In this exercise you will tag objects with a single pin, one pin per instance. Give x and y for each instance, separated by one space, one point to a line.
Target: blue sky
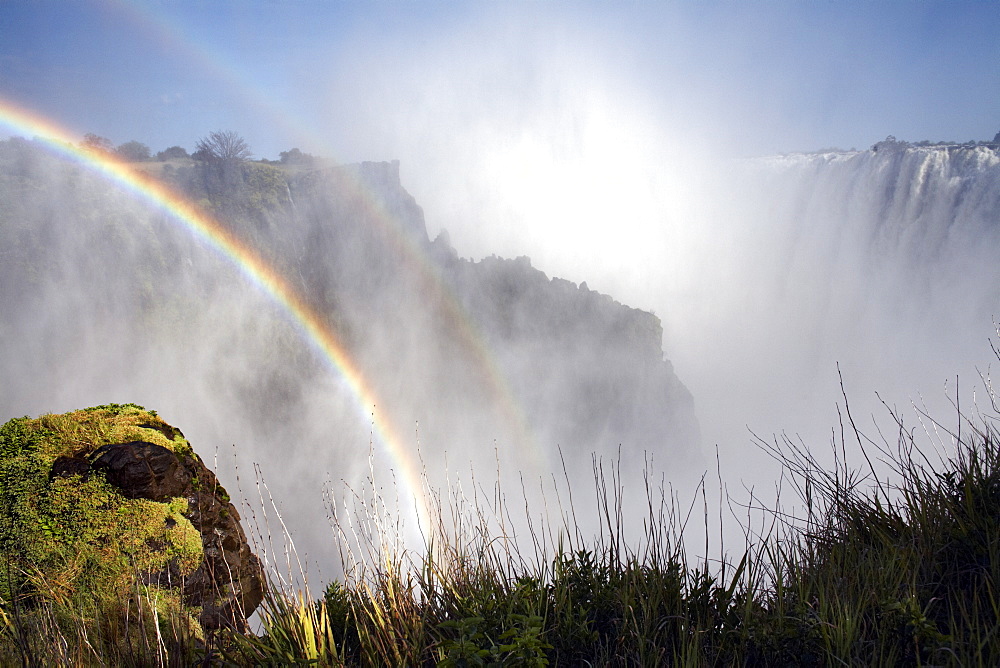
516 122
759 77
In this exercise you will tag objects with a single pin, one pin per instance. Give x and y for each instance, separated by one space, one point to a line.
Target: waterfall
880 262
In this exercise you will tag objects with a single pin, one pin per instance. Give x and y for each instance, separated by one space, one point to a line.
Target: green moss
171 611
183 539
81 432
116 409
79 542
182 448
17 436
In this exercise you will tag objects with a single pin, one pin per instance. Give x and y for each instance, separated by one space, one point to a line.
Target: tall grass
892 562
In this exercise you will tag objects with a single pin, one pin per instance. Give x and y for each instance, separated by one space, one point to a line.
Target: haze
610 143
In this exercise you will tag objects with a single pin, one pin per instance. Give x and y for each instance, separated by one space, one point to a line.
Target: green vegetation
133 151
874 573
74 552
901 574
222 146
245 194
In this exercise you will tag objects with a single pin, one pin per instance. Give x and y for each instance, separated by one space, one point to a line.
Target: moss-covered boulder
105 504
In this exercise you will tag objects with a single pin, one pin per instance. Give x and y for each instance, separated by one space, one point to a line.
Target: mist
646 152
645 173
482 372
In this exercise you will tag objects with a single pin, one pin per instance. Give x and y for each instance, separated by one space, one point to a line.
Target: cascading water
883 262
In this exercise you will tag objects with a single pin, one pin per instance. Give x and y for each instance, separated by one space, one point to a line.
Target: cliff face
107 299
444 339
382 180
588 372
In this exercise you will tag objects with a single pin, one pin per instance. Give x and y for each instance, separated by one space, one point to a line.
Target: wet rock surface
143 470
229 584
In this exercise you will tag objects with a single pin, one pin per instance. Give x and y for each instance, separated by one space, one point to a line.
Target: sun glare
583 189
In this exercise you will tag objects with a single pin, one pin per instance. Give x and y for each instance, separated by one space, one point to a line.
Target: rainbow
159 28
254 268
437 292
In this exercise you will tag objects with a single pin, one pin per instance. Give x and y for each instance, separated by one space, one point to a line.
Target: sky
336 75
509 117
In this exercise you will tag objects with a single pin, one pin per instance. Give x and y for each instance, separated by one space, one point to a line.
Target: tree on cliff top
172 153
133 151
222 146
97 144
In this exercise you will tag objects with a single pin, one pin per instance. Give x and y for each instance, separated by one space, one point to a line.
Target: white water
884 262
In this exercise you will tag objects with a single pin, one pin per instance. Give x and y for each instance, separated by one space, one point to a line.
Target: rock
143 470
128 496
228 585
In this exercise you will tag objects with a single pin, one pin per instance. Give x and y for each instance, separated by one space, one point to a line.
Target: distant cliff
593 367
589 373
470 357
